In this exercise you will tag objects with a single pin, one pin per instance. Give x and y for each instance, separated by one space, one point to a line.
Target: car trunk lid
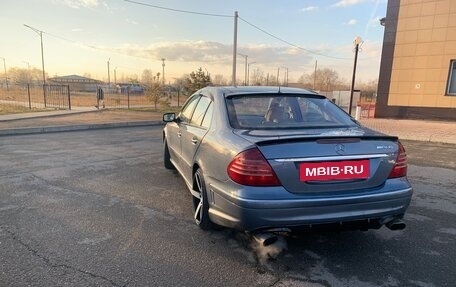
321 160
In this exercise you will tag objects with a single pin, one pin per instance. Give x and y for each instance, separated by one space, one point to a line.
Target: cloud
218 57
217 53
309 9
352 22
345 3
76 4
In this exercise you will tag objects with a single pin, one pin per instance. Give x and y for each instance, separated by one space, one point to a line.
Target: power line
291 44
201 14
110 50
247 22
61 38
179 10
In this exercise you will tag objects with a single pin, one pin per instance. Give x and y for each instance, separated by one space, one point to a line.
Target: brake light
400 168
251 168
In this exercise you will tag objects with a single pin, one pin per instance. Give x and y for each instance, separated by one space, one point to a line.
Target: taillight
400 168
251 168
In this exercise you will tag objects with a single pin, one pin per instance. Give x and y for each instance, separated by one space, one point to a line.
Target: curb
44 115
83 127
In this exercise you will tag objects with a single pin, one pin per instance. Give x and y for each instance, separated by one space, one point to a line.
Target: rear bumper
253 215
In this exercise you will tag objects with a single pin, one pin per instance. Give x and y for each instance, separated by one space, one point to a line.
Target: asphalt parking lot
97 208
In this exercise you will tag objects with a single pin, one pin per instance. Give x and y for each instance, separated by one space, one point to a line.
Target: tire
201 204
166 156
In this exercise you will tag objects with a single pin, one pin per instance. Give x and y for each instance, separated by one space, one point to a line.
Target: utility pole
109 78
40 33
278 71
315 75
163 66
6 76
285 77
233 80
358 41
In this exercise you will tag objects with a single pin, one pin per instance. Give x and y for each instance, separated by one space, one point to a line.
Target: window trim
192 121
451 70
189 100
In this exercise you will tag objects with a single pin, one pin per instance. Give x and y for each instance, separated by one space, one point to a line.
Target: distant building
76 83
418 66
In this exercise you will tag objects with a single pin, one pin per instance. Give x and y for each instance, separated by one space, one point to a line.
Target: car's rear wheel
166 156
201 204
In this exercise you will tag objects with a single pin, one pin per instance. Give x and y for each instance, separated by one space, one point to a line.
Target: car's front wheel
201 204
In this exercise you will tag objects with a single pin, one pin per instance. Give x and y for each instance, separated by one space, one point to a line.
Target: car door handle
179 134
194 141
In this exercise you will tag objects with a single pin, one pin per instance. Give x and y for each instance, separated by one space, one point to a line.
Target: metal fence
133 99
62 97
36 96
126 99
57 96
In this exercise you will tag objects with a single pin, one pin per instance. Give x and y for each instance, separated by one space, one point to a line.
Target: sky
81 36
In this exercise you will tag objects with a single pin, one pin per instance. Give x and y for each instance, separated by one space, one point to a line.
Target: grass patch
11 109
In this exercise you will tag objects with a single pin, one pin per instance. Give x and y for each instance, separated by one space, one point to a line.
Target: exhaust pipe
395 224
265 239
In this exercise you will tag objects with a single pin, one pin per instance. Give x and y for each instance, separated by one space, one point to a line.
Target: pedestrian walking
100 97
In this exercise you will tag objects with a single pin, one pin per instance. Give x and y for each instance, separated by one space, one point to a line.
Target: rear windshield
285 112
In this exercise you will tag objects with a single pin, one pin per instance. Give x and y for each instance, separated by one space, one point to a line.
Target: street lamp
248 72
245 72
357 42
40 33
6 76
163 70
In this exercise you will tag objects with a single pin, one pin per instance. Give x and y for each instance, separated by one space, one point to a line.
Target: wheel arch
195 167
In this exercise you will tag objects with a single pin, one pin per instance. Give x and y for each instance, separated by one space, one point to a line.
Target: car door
192 134
174 130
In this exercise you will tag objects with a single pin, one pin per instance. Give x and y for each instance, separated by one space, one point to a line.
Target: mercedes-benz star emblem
340 149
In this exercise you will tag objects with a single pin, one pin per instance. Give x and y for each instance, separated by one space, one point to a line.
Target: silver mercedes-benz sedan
263 159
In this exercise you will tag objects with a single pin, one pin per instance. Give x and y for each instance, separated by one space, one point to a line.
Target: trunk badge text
385 147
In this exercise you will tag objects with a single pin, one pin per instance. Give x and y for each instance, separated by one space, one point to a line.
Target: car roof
234 90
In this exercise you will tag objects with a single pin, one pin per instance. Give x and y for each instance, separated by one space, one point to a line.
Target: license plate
334 170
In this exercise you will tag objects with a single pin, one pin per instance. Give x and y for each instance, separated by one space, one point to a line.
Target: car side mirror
169 117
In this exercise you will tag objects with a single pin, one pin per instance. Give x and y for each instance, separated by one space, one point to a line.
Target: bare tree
147 77
324 80
219 80
258 78
20 76
153 87
368 90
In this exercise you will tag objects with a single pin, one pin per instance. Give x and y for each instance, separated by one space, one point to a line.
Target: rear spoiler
326 140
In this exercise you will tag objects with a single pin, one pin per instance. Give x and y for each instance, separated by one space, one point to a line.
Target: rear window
285 112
